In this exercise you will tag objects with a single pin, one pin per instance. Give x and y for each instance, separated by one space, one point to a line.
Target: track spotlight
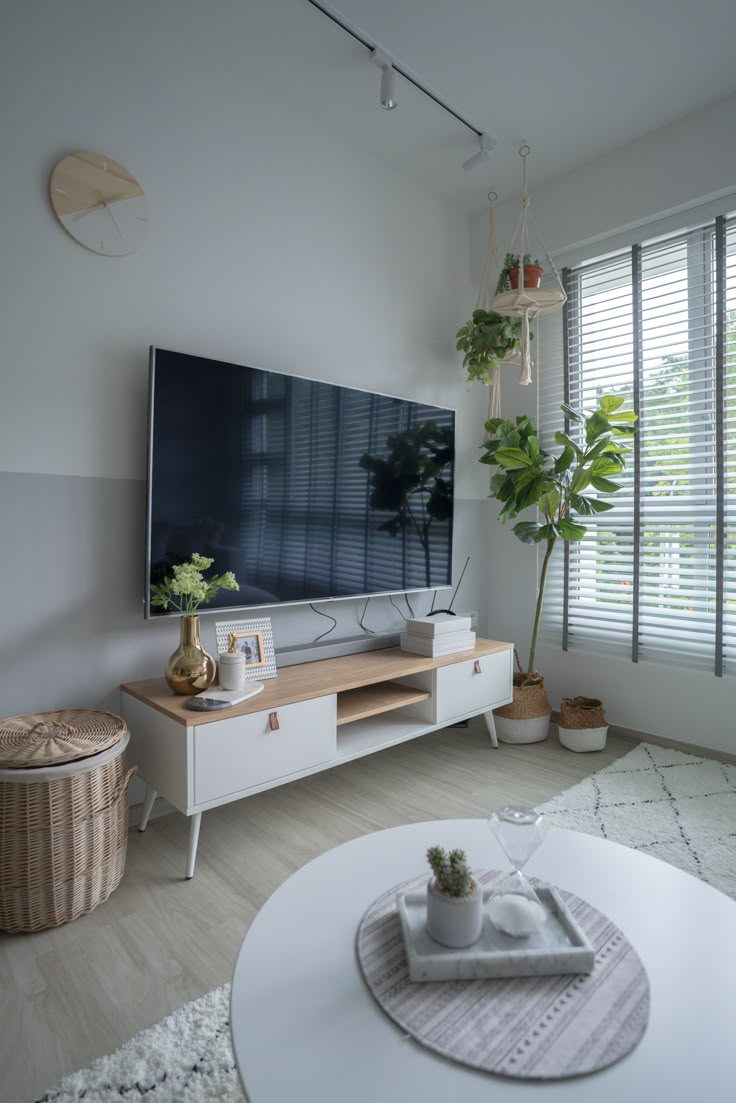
485 145
388 79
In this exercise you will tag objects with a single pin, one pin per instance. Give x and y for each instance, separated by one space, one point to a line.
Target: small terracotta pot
532 276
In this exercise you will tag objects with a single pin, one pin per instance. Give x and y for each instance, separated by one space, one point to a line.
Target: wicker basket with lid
63 815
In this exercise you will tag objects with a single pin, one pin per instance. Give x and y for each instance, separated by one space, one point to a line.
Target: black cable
408 603
397 608
462 576
434 598
362 616
329 617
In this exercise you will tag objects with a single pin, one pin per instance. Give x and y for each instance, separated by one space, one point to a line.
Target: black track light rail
402 73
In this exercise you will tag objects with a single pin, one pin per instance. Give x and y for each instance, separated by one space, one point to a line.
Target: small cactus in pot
454 899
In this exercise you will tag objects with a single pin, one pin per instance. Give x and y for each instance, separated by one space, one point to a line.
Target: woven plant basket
582 712
63 828
530 697
529 701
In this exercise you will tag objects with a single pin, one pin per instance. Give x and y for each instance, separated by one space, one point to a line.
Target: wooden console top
308 680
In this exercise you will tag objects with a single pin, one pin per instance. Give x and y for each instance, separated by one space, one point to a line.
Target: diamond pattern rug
671 805
674 806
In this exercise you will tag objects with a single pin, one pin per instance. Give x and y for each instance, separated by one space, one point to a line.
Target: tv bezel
228 609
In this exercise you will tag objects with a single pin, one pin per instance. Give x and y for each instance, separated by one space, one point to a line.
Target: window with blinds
656 576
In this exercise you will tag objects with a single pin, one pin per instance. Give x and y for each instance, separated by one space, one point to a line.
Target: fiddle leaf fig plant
558 484
413 482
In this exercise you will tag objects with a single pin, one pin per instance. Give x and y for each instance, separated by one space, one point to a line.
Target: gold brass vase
190 669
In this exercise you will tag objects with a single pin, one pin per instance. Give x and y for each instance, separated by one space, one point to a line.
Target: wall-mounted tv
306 490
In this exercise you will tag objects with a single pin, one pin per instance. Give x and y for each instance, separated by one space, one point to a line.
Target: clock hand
85 212
112 216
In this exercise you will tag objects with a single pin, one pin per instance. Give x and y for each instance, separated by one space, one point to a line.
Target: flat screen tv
306 490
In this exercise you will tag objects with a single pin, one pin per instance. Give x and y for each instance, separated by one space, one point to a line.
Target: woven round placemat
50 738
540 1028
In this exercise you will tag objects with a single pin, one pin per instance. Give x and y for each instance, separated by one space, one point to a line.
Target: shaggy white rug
187 1058
672 805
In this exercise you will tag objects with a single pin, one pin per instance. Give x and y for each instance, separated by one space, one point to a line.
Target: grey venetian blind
656 575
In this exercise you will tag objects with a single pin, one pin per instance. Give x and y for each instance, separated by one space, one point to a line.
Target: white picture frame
256 640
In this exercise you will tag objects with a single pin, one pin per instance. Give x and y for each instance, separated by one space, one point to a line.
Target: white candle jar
232 670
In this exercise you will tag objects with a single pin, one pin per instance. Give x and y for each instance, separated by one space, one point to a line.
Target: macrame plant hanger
492 264
528 303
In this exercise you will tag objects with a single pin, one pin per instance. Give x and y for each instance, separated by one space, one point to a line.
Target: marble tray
559 946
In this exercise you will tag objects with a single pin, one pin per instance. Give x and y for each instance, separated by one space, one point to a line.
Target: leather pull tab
476 666
273 721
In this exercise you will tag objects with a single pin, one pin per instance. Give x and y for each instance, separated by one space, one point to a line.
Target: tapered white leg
491 725
151 795
194 825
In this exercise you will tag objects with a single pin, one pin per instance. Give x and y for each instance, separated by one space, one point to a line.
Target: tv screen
307 491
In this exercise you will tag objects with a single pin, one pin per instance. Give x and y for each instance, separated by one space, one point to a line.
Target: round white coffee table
305 1027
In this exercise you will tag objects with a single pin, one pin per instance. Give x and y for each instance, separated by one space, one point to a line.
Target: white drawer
243 752
461 688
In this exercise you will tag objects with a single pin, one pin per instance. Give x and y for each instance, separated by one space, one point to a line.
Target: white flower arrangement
189 589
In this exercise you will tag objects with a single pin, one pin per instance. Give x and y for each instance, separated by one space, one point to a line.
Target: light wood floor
72 994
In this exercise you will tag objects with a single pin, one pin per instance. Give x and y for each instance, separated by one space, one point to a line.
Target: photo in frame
254 639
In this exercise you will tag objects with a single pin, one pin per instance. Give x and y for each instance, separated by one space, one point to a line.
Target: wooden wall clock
99 204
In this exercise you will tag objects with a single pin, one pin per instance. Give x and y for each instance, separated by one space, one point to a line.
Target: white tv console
311 717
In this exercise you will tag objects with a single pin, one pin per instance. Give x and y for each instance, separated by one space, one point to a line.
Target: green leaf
568 442
611 402
549 502
604 485
573 414
564 460
570 531
513 457
523 478
624 430
589 505
595 426
605 465
526 531
581 504
547 532
508 511
529 494
580 479
625 415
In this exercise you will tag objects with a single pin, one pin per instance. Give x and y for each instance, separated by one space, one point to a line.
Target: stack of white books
443 634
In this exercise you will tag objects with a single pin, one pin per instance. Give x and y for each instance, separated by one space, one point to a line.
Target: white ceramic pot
454 921
521 731
582 739
232 670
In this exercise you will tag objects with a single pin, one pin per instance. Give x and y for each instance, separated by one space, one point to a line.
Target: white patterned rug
668 804
671 805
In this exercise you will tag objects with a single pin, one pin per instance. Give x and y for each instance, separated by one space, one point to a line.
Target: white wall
274 241
636 192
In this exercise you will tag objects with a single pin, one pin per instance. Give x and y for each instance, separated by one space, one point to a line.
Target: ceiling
573 78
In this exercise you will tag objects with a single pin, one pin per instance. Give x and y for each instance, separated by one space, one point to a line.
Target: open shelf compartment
357 704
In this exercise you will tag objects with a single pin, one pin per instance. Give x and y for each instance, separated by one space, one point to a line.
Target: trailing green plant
451 871
485 340
528 476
